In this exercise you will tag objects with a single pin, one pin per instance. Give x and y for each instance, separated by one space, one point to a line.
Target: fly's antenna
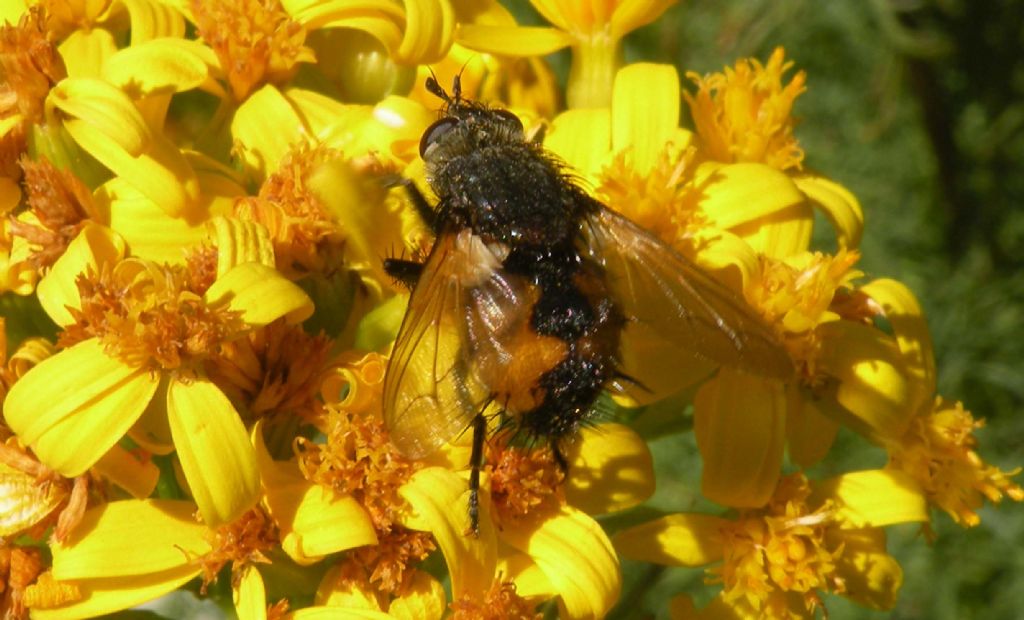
435 89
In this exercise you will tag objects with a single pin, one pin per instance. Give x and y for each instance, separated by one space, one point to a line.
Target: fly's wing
677 313
431 390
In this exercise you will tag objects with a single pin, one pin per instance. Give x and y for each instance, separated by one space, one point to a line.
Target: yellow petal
152 431
423 600
428 31
104 596
10 194
146 536
11 12
265 128
758 203
644 124
583 138
213 447
674 540
740 421
871 576
137 476
875 498
261 294
107 110
873 383
150 232
155 543
809 432
322 113
512 40
337 613
160 171
610 469
152 20
909 326
440 500
85 52
159 65
381 20
314 521
576 556
338 592
837 203
631 14
94 246
530 580
74 406
250 596
240 242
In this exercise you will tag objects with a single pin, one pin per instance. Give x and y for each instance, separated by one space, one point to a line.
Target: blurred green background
918 108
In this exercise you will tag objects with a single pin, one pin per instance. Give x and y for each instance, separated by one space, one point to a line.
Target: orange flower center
523 480
61 204
242 542
745 113
660 199
149 314
275 370
782 548
499 602
29 66
938 451
255 40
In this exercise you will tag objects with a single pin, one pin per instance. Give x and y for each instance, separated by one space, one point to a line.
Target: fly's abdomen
578 311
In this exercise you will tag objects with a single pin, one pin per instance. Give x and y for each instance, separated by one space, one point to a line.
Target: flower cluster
195 198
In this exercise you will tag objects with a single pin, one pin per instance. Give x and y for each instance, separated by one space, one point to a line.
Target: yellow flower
594 31
745 115
774 562
524 504
136 329
938 446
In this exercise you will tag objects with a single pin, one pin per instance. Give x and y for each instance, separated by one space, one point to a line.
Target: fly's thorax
509 193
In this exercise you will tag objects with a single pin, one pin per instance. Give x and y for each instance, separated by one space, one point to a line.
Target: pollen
745 113
939 452
275 370
524 480
780 551
255 40
19 567
660 199
29 66
147 315
244 541
61 204
306 238
47 593
499 602
798 294
357 458
386 565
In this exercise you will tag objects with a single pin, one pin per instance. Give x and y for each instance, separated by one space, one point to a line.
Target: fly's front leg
423 208
476 463
405 272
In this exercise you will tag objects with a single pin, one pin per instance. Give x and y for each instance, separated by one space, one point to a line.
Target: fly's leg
405 272
423 208
560 459
476 463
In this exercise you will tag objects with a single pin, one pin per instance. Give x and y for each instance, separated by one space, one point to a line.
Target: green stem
594 63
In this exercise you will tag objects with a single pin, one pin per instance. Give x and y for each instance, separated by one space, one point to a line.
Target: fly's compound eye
510 118
434 133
